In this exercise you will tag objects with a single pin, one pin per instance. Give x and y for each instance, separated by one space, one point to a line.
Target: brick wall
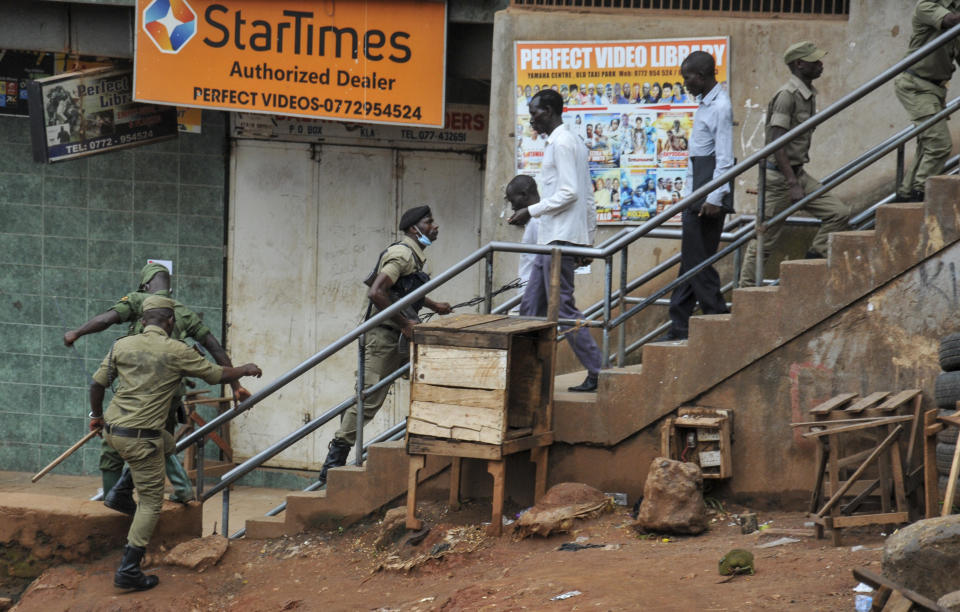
73 236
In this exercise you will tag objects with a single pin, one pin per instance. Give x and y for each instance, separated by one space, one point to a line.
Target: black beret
413 216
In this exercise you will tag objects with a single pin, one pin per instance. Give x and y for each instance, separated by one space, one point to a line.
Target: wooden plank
491 399
498 470
877 581
854 503
898 400
512 325
821 463
950 419
858 520
687 421
538 456
897 603
836 495
834 422
862 404
460 338
914 434
930 491
455 465
518 433
416 464
452 415
833 403
461 367
726 455
522 444
484 435
460 321
860 426
951 482
525 382
451 448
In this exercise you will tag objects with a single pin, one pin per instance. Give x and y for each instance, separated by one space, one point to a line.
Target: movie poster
627 102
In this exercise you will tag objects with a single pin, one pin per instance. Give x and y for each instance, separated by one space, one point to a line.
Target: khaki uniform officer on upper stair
922 90
787 181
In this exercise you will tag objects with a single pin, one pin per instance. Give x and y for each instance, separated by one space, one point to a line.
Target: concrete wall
874 37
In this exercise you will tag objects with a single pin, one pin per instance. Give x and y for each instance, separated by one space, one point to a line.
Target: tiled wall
73 236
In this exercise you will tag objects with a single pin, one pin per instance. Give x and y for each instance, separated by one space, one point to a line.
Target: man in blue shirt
711 154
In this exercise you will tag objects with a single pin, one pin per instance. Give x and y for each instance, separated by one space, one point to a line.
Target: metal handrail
616 244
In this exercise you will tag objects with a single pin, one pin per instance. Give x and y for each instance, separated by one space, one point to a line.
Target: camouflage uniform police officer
787 180
922 90
147 369
154 280
398 273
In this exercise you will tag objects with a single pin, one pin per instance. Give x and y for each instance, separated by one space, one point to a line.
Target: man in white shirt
567 217
711 154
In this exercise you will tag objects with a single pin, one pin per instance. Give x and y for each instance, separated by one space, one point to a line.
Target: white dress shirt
566 209
526 259
712 134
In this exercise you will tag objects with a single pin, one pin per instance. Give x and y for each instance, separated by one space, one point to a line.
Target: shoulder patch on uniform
125 298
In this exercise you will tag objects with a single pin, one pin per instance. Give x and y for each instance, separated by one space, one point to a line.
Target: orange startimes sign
376 61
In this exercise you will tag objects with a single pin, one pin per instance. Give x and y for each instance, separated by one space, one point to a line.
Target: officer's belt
796 169
131 432
911 72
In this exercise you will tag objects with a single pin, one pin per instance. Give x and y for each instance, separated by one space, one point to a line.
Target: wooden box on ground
481 387
701 436
481 378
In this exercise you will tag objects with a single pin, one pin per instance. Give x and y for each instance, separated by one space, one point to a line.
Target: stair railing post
225 513
622 337
361 413
607 297
488 285
901 155
200 442
759 227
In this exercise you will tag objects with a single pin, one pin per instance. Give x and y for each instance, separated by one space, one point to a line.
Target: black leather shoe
672 336
129 576
336 457
588 384
120 497
813 255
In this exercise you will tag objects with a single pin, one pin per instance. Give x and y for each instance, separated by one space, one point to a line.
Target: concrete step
854 262
900 228
352 493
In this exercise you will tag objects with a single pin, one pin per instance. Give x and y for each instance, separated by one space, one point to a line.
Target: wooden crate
484 379
711 430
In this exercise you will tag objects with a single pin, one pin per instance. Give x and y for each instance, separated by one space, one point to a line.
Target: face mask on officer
422 238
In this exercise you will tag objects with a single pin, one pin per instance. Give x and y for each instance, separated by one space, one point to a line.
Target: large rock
950 601
925 556
198 554
560 507
673 498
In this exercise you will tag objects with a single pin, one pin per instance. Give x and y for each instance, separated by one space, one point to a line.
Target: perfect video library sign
376 61
83 113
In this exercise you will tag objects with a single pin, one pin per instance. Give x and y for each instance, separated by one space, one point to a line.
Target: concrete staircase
352 492
764 318
631 399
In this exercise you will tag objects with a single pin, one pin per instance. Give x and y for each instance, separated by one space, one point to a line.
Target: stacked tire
947 394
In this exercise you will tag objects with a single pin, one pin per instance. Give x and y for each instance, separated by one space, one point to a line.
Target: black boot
129 576
120 497
336 456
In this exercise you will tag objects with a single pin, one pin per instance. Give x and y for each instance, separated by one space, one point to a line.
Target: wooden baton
65 454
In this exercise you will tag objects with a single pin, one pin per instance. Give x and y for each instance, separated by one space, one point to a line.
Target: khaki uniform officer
398 273
147 369
787 181
922 90
154 280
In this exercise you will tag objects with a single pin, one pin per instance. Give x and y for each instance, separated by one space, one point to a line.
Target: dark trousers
700 240
534 304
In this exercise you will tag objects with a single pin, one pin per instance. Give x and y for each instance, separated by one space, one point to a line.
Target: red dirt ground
339 571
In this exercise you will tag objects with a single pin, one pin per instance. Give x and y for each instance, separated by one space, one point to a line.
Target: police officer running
147 368
399 272
154 280
787 181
